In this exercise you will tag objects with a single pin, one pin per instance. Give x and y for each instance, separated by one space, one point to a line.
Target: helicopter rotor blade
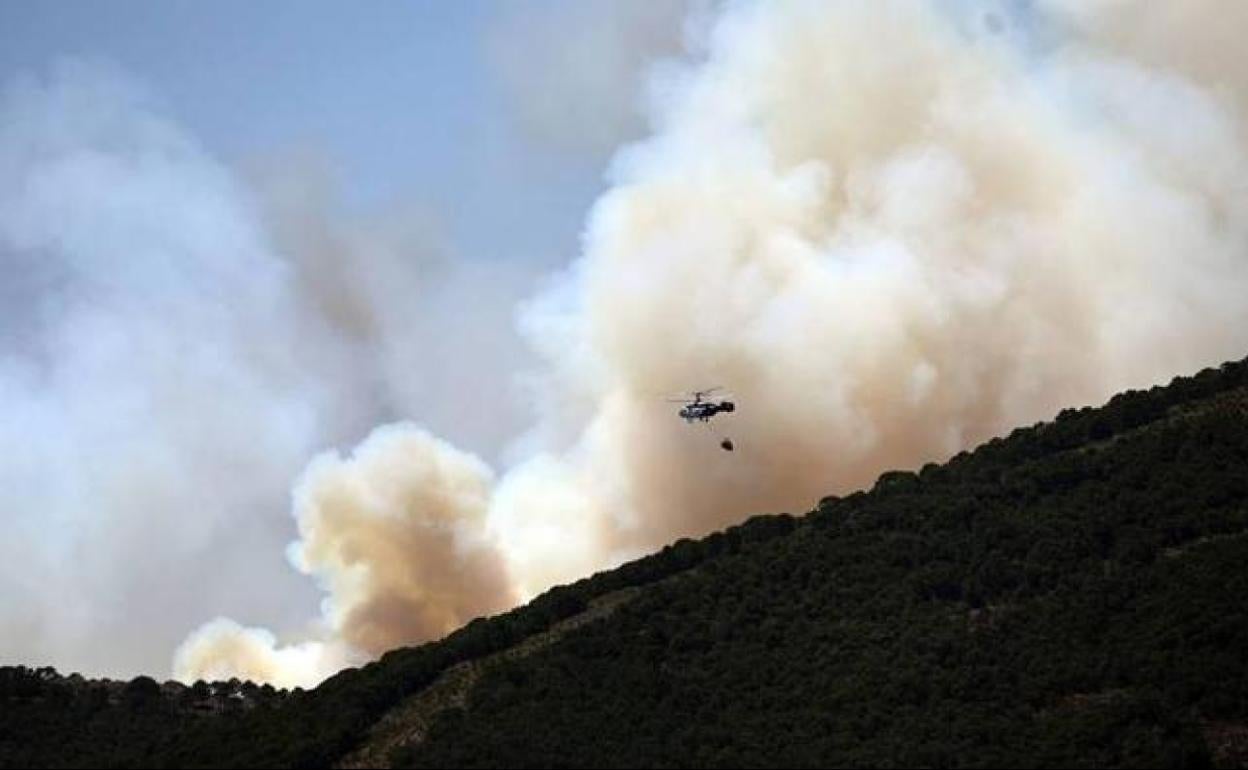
694 396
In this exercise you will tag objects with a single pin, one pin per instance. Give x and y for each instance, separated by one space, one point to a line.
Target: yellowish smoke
892 229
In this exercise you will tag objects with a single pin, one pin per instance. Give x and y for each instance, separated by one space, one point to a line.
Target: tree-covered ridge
1073 595
1069 595
49 720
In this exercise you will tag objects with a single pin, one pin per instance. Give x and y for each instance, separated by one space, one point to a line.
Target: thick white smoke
223 649
893 229
396 534
146 325
175 342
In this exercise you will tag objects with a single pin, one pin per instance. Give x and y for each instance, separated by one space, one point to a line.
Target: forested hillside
1071 595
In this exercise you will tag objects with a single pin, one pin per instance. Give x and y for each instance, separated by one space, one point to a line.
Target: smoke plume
223 649
892 229
176 340
146 328
397 533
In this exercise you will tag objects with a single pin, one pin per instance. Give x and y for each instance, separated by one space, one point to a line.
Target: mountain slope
1070 595
1073 595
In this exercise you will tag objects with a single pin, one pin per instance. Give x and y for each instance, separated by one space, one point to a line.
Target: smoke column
396 533
893 229
176 341
146 326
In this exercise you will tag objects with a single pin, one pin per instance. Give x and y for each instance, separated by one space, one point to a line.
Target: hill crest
1070 591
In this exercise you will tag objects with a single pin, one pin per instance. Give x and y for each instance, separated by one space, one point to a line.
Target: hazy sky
234 234
405 99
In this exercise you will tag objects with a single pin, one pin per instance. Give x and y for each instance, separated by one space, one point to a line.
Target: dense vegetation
50 720
1072 595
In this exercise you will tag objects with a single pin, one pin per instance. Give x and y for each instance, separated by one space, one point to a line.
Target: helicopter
700 408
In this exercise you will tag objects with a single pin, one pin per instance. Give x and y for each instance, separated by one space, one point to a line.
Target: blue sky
402 99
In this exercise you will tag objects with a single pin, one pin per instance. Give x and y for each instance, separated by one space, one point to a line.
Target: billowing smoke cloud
175 342
397 298
146 328
223 649
893 229
397 534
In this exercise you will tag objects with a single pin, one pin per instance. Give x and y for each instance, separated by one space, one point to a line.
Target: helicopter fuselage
705 410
